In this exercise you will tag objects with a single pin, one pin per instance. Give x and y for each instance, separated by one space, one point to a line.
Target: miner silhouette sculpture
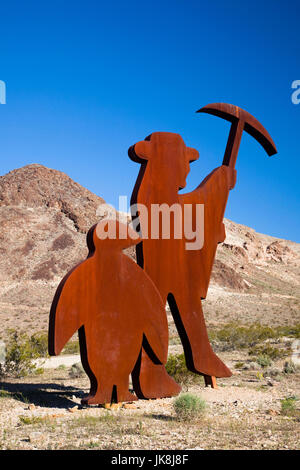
182 276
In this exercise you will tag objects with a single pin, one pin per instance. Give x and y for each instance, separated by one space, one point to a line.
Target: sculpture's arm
213 193
220 178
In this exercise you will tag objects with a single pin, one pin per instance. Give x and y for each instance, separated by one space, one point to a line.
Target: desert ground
256 408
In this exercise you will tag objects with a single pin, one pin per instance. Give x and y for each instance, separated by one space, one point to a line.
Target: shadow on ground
160 417
48 395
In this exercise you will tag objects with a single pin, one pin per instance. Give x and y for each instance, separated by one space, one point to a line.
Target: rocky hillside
256 277
44 217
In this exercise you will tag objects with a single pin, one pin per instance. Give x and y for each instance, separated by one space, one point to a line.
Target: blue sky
87 79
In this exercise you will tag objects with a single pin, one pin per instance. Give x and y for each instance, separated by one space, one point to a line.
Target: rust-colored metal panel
116 308
182 276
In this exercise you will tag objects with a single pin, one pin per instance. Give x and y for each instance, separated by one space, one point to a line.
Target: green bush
188 406
267 350
289 406
16 396
176 367
289 367
76 371
239 365
292 331
273 372
21 349
233 336
263 360
28 420
39 344
72 347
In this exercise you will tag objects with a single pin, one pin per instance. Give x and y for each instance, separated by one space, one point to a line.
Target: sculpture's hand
231 177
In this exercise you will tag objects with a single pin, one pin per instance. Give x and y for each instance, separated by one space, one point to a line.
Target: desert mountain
44 218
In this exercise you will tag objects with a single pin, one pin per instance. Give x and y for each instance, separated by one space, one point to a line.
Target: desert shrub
71 348
259 375
174 339
176 367
39 344
2 352
289 406
16 396
272 372
21 349
292 331
233 336
267 350
239 365
263 360
289 368
76 371
28 420
188 406
250 366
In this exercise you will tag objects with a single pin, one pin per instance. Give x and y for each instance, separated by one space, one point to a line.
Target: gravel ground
44 412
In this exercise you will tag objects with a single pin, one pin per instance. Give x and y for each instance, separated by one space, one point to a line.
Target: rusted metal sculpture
181 276
116 308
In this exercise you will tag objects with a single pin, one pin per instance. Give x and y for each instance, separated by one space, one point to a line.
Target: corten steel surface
182 276
241 121
116 308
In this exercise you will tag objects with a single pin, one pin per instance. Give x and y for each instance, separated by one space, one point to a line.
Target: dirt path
69 359
53 362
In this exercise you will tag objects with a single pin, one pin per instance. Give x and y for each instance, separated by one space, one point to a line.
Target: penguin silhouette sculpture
117 310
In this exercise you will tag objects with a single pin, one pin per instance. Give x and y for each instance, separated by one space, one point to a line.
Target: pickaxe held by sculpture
241 121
